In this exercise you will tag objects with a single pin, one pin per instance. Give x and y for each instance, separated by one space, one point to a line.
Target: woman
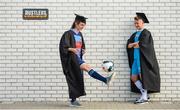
72 48
145 75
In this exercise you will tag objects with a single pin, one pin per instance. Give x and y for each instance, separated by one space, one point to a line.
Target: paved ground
90 106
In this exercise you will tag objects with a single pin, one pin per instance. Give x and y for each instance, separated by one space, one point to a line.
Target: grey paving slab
90 106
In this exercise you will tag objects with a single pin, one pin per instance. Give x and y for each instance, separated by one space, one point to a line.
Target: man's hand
130 45
136 45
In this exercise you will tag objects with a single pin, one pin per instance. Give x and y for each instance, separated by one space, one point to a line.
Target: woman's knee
88 68
85 67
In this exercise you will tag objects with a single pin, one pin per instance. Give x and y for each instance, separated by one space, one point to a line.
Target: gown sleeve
146 47
130 51
65 43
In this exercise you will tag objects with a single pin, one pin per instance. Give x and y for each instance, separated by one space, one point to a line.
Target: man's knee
133 78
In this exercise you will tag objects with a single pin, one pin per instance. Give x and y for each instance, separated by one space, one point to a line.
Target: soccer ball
107 66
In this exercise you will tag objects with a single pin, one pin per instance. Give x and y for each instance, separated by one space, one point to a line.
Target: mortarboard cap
80 18
142 16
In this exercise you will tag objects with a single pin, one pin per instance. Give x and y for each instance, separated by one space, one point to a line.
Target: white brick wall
30 68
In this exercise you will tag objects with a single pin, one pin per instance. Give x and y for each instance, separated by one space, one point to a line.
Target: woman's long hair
74 25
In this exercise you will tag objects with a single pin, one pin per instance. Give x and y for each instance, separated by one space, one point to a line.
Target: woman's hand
74 50
83 51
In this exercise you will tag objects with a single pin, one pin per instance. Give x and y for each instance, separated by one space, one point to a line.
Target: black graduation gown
149 65
71 68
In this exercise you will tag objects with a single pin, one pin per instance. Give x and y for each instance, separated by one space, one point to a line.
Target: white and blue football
107 66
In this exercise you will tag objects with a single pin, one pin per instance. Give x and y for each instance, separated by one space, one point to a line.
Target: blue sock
97 76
